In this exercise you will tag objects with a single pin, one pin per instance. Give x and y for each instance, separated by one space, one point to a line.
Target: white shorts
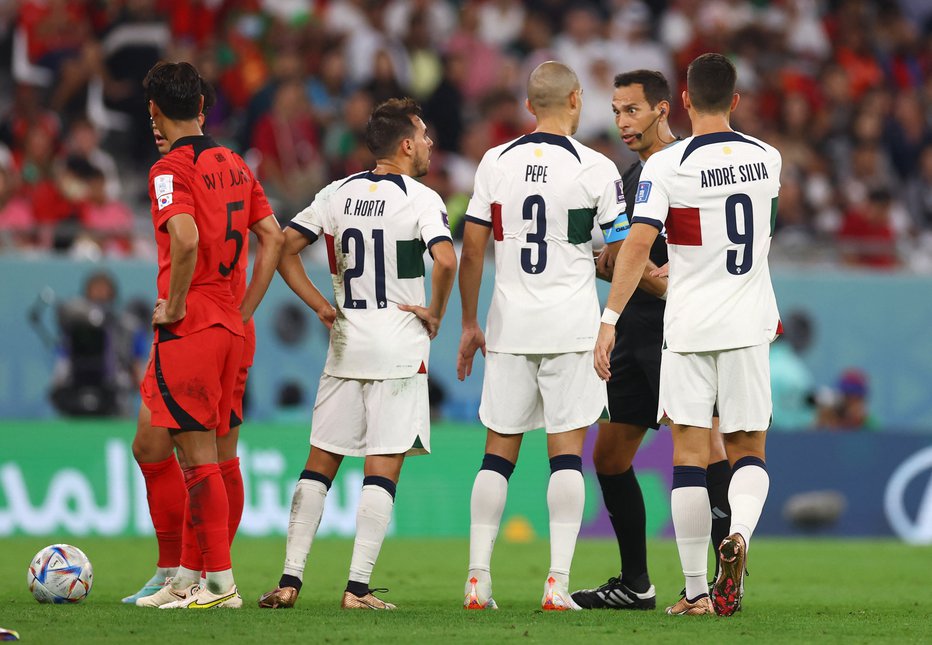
522 392
360 417
738 380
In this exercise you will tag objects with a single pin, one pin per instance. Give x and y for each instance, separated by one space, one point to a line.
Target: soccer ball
60 573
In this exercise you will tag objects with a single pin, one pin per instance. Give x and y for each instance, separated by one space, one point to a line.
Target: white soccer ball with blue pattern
60 573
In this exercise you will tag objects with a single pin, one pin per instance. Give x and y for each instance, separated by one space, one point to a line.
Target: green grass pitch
805 590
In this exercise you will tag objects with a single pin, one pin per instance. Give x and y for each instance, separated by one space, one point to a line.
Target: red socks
165 491
206 520
233 482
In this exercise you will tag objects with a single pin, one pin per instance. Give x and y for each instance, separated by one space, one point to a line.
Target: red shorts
239 390
190 379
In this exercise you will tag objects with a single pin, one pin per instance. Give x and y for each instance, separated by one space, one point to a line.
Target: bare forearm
441 284
183 261
292 270
649 284
629 271
263 271
470 280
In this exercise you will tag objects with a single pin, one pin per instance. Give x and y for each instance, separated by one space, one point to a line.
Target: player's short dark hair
176 88
210 96
389 123
656 87
710 81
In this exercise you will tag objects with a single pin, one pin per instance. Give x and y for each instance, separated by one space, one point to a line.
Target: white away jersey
717 196
540 195
376 228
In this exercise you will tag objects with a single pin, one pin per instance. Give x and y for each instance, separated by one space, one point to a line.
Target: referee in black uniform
641 103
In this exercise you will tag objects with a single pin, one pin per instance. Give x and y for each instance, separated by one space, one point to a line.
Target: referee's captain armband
618 230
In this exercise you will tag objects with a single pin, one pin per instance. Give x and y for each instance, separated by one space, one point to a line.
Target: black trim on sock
381 482
565 462
358 589
290 581
686 476
497 464
750 460
317 477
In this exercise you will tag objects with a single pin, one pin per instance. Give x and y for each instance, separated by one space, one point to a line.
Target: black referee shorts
634 387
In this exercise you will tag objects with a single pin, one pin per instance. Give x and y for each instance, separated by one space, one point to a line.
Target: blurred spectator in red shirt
481 59
83 140
504 115
855 56
290 167
27 112
37 181
17 224
107 222
866 236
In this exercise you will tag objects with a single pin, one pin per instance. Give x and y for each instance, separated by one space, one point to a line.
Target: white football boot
557 597
205 599
478 594
167 595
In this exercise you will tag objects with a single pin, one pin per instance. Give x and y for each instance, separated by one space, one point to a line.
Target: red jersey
215 186
260 209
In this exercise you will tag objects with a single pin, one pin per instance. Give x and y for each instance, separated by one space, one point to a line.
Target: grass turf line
808 590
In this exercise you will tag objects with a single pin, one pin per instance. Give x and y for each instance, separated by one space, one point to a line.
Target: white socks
487 503
747 493
566 495
220 582
372 518
692 521
307 505
161 573
184 578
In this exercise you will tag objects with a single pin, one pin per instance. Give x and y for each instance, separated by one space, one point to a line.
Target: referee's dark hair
710 81
389 124
176 88
656 87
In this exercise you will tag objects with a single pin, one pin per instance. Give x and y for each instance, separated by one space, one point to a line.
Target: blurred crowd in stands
843 88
